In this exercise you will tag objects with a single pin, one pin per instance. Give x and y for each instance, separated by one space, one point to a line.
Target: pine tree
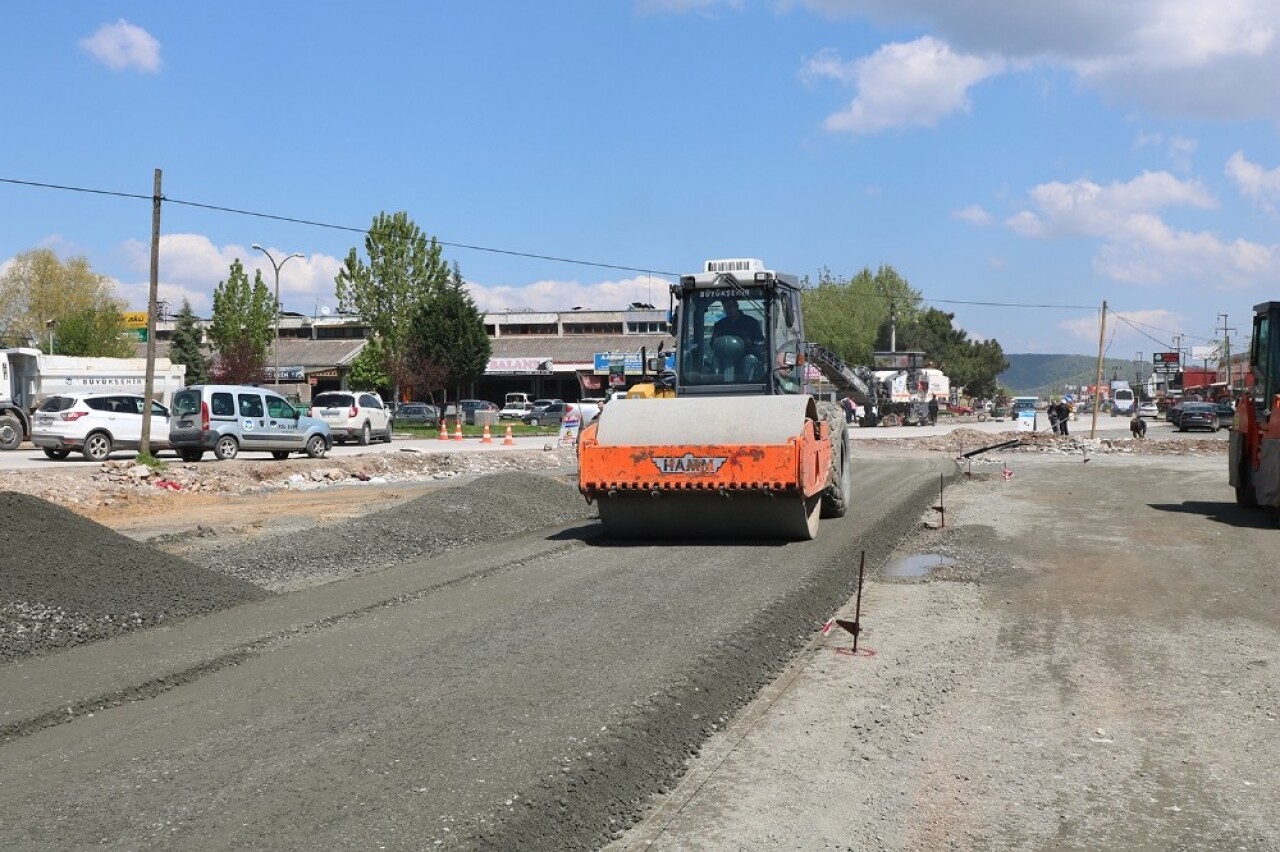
184 346
242 328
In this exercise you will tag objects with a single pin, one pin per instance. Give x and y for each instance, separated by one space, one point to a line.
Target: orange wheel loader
1255 431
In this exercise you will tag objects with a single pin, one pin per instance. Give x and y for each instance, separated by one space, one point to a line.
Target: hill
1050 375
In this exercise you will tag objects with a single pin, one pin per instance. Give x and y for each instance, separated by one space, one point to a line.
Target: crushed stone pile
485 509
68 581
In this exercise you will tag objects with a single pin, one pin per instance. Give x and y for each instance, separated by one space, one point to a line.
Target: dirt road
1096 669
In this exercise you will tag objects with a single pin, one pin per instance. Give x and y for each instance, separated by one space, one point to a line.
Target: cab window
222 405
278 408
250 405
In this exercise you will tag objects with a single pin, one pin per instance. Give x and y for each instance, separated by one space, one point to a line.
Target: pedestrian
1064 415
933 410
1053 416
847 402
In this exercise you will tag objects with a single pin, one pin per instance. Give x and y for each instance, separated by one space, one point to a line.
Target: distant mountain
1049 375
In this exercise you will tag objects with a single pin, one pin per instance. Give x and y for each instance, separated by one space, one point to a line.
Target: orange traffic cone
444 430
457 430
487 439
508 441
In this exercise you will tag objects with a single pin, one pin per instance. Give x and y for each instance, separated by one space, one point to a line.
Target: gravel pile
485 509
68 581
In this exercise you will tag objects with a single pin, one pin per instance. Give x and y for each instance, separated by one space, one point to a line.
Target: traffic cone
457 430
487 439
509 441
444 430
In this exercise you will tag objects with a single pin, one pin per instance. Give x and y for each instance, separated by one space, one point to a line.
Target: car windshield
186 402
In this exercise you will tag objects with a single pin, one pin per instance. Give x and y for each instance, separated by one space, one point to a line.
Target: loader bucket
738 467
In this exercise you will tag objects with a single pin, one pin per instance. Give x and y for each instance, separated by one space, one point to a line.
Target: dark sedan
417 413
1198 415
552 413
1226 414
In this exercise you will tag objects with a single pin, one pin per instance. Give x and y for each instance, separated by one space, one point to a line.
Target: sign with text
135 319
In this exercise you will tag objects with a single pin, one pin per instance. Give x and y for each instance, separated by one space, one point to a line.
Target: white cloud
974 214
191 266
916 83
1137 245
1119 332
1180 57
564 295
1253 181
122 45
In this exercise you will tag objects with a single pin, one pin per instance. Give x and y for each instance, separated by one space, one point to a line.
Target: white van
229 418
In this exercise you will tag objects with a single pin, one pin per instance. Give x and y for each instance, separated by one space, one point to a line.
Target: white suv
353 415
96 424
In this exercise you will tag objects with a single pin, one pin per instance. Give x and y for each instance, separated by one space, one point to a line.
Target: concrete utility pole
149 387
1097 388
1226 351
276 267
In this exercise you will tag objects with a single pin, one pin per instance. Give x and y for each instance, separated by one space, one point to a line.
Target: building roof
573 349
308 354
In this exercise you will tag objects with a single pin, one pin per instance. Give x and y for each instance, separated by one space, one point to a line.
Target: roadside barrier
487 439
508 441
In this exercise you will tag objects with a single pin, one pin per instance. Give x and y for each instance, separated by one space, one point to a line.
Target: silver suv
231 418
96 424
358 416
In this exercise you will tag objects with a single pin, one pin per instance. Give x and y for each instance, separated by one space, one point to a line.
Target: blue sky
993 151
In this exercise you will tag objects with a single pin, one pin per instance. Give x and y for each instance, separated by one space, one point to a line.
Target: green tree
404 271
93 333
243 326
448 336
37 288
184 346
368 369
850 315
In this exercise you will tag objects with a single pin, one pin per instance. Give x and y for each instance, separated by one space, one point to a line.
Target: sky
1017 163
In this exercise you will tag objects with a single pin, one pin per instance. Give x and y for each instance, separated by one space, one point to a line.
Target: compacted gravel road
1083 656
488 673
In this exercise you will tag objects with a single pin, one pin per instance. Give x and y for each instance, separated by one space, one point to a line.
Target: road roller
729 445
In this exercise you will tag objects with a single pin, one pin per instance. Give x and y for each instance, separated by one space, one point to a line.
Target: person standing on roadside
1064 415
847 402
1053 416
933 410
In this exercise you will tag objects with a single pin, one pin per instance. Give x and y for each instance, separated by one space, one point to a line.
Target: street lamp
276 267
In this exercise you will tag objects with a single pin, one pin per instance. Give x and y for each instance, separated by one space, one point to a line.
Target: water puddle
916 565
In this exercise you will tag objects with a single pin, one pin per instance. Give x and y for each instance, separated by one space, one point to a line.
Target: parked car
1148 410
539 404
231 418
96 424
418 414
550 413
961 410
515 410
361 416
469 409
1198 415
1226 413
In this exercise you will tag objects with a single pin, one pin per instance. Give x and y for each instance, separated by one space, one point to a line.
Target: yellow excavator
729 445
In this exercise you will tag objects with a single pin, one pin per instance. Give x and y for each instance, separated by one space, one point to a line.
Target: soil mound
68 581
443 519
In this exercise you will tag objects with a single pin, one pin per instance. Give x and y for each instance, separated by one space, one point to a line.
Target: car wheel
533 421
226 448
10 432
365 436
279 455
1182 428
388 436
97 447
191 455
57 455
316 447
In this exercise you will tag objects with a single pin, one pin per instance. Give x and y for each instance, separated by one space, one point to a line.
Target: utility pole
1097 388
149 387
1226 352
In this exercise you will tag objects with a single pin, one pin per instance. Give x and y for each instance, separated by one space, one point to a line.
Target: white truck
28 377
1123 401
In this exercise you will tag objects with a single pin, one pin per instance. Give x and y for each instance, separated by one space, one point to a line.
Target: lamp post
276 267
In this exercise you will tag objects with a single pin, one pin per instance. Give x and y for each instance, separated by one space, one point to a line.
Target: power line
316 224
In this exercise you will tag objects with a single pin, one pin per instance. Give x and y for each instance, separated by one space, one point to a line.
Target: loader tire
835 497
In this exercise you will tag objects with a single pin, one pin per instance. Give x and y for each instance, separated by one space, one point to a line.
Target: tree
38 288
404 271
448 335
242 327
368 370
849 316
184 346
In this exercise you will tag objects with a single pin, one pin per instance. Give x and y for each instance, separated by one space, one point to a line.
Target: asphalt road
527 693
